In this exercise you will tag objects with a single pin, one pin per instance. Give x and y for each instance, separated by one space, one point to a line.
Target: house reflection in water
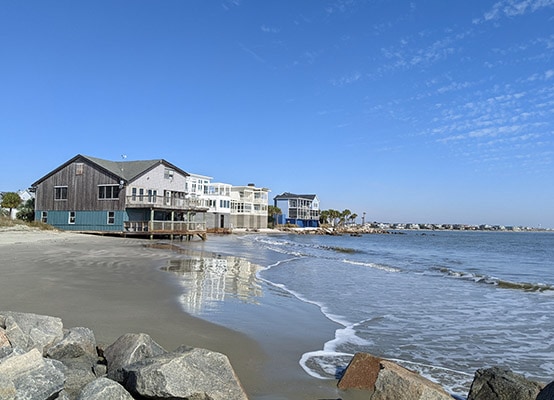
209 280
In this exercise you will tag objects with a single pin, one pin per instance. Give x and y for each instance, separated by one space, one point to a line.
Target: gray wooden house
126 197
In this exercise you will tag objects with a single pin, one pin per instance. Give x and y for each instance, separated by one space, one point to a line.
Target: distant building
24 195
215 196
298 209
249 207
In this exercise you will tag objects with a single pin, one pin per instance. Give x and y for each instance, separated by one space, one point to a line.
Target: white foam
373 265
327 363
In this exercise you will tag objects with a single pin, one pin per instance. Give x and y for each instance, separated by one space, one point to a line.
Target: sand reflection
209 280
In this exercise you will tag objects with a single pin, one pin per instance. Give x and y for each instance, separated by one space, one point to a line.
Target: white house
243 207
249 207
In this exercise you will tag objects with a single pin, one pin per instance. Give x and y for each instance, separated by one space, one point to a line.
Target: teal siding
85 220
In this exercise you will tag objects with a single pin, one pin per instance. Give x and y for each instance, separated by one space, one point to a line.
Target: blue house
128 197
298 209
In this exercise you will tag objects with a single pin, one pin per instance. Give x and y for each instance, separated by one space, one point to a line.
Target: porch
162 228
165 222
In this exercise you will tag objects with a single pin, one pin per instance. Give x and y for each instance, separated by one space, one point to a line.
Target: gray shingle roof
126 170
288 195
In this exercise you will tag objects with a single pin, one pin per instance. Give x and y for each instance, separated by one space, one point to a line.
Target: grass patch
6 222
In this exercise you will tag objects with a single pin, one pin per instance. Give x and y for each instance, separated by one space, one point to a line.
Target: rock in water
187 373
396 382
547 393
386 380
361 373
502 384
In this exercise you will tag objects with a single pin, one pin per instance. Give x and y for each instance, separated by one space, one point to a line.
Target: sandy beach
115 285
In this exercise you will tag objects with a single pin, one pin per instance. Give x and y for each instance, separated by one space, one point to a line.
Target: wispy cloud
346 79
513 8
251 52
268 29
228 4
421 50
340 6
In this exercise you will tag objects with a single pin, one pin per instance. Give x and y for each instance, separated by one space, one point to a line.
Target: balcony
166 203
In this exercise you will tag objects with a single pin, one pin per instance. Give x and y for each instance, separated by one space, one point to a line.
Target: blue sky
410 111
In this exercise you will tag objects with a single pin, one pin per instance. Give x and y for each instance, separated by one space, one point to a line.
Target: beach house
298 209
249 207
128 197
215 196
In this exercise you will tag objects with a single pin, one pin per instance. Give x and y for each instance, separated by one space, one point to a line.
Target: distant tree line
337 218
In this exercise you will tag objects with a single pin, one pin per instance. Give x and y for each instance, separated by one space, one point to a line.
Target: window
168 173
79 168
108 192
111 217
134 194
141 194
44 216
71 219
60 193
152 195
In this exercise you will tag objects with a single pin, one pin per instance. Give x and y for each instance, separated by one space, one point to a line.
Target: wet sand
115 285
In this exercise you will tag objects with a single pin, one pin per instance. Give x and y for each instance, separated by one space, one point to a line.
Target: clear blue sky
411 111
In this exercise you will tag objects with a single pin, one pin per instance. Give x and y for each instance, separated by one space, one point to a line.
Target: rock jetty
40 360
385 380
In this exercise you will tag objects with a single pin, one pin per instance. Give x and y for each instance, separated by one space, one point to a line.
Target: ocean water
443 303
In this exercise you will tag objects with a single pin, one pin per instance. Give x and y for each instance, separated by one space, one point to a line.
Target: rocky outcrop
186 373
501 384
28 331
39 360
386 380
102 389
128 349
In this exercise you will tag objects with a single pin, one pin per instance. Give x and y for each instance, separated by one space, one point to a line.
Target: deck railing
146 201
164 226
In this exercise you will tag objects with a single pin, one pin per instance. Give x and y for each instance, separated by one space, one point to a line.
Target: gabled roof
287 196
125 170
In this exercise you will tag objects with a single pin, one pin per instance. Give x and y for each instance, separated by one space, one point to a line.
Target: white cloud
268 29
346 79
513 8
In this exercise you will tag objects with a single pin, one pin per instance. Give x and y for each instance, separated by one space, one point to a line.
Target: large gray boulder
128 349
396 382
5 345
77 342
29 331
187 373
385 380
31 376
502 384
77 351
102 389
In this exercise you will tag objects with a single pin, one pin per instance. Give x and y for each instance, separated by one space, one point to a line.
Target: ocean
443 303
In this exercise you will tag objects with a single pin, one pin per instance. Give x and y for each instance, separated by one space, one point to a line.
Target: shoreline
115 285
